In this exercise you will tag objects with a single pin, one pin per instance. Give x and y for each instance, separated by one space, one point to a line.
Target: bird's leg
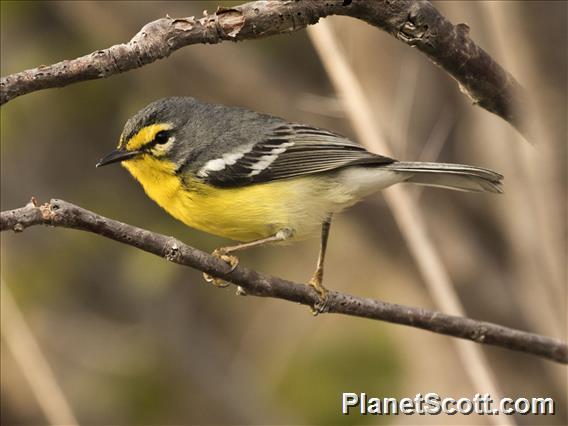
317 277
224 253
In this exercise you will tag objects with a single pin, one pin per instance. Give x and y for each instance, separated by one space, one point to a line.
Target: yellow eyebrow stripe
145 135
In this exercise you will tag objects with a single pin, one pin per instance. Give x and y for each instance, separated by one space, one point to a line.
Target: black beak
116 156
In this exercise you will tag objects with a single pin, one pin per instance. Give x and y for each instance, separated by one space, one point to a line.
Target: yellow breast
245 213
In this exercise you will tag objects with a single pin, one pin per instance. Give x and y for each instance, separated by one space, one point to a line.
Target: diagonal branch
60 213
414 22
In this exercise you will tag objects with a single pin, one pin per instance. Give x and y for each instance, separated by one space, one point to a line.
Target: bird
258 179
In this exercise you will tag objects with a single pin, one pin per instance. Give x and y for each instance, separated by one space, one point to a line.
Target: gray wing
286 151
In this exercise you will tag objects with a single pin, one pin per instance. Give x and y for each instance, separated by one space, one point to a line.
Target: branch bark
60 213
415 22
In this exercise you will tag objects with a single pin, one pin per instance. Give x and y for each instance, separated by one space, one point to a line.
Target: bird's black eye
161 137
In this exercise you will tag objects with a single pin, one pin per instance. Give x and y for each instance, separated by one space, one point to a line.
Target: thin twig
60 213
414 22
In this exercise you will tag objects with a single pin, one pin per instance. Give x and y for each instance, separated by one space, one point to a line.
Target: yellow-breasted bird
259 179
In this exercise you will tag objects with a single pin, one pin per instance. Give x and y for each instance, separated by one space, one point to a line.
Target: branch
415 22
60 213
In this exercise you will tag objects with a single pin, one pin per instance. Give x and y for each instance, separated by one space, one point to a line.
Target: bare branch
60 213
416 23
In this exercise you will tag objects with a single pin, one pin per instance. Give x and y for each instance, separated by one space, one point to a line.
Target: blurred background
133 339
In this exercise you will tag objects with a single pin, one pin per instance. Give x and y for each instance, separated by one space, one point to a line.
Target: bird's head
156 135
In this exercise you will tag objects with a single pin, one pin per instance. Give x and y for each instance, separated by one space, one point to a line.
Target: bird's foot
320 307
231 260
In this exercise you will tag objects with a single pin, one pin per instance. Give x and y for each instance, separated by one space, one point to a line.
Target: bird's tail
452 176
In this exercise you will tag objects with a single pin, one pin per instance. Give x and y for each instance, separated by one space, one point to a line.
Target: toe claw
321 306
215 282
231 260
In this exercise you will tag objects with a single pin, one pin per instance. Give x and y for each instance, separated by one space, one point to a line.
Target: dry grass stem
26 352
404 209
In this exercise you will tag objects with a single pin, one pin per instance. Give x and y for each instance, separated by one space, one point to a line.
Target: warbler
259 179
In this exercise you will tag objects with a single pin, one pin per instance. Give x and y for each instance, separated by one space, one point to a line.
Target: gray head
154 130
165 111
184 130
